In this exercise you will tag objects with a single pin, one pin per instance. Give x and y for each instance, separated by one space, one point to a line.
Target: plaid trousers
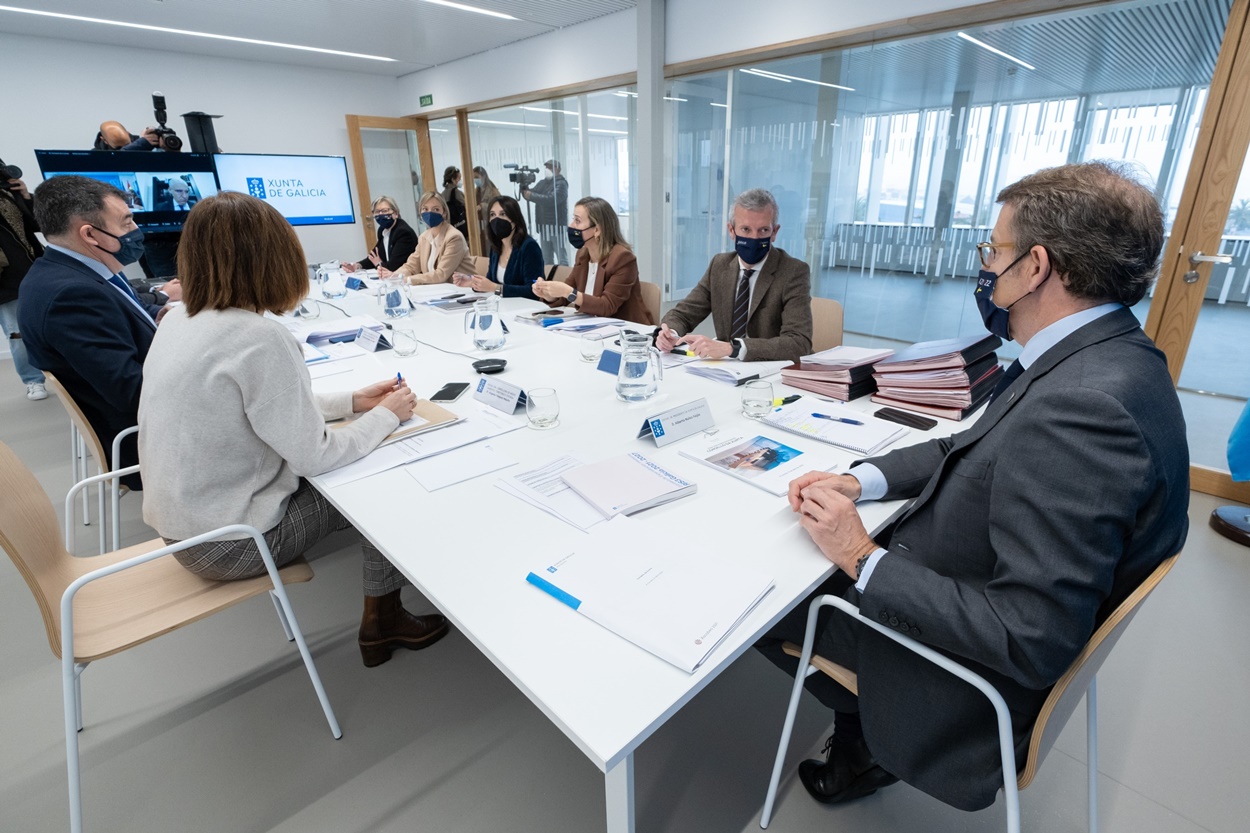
309 518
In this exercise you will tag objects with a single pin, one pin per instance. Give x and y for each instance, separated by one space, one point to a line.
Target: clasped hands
552 290
701 346
477 283
826 506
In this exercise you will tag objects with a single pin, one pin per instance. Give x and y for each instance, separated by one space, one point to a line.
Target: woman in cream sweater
441 249
229 425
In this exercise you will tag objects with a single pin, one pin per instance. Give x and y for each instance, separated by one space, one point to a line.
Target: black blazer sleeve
525 264
403 244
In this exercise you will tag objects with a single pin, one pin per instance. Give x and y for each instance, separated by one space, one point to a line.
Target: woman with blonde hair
396 239
604 280
229 425
441 250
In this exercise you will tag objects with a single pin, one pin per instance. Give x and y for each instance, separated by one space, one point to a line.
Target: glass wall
886 159
392 165
585 138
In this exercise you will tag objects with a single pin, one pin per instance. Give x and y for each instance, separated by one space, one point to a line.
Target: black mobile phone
917 421
450 392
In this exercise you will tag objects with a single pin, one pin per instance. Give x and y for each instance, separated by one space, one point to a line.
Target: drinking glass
308 309
335 285
757 398
403 341
542 406
590 346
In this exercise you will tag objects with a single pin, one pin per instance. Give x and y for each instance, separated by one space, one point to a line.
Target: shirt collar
95 265
759 267
1052 334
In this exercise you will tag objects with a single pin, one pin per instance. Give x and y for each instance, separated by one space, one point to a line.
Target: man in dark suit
79 318
550 196
177 196
758 296
1028 528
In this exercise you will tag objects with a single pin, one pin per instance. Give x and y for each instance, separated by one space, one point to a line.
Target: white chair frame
1011 792
71 671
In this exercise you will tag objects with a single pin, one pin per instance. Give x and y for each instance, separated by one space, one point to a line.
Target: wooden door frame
1220 153
425 156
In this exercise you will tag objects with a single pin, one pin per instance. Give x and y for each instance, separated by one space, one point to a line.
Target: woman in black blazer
516 259
396 239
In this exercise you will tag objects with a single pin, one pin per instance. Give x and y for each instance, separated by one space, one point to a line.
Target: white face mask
548 174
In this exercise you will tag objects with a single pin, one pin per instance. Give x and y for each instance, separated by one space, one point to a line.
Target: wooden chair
480 265
557 273
98 606
826 324
83 436
1079 679
651 297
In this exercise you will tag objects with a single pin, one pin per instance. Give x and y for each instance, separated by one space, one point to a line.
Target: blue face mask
996 318
432 218
385 222
132 246
751 250
575 238
477 182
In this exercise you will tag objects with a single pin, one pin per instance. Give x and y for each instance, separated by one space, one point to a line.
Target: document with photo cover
761 461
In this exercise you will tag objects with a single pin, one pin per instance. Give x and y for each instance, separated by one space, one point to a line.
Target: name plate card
678 423
355 283
371 341
499 395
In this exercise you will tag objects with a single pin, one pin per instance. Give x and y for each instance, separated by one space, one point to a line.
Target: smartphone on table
450 392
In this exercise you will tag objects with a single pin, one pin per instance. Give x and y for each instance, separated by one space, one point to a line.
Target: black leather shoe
849 772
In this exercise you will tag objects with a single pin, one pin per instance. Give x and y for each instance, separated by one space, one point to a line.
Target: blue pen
838 419
399 379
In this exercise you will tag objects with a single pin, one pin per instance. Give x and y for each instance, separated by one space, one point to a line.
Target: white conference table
469 547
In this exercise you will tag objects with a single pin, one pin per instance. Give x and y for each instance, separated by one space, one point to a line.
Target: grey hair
756 199
1100 225
61 199
373 206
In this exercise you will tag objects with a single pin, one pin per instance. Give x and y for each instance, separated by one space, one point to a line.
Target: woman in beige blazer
441 250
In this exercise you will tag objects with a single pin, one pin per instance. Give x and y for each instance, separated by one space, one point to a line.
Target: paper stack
949 378
843 373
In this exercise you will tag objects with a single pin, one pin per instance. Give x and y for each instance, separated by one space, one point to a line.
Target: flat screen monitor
308 190
160 188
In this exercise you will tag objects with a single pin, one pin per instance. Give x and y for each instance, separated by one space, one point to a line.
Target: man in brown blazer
758 296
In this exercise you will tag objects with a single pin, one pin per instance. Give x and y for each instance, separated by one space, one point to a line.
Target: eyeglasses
378 214
989 251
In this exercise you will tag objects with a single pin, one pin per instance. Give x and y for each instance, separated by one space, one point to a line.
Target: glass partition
392 167
886 159
549 154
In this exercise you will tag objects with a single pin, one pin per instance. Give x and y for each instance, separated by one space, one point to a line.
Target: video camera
167 137
523 176
10 171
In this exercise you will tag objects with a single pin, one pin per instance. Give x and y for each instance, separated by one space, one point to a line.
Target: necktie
1013 373
120 282
742 305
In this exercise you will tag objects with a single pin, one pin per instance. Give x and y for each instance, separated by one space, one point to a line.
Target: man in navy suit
1027 529
79 318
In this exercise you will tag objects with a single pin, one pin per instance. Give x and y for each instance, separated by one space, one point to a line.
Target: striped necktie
742 305
1013 372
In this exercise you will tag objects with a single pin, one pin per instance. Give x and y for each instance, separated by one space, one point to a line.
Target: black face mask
501 228
996 318
575 238
132 246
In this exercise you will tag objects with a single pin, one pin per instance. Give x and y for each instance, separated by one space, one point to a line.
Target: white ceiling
415 33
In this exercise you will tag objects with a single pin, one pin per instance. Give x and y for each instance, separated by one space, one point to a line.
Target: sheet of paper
458 466
544 487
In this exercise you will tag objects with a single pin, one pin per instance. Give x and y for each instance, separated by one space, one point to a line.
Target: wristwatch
737 348
572 299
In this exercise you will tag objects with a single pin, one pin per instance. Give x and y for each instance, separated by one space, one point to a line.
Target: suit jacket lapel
91 274
763 281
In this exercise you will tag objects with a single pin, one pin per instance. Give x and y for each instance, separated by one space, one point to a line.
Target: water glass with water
542 407
757 398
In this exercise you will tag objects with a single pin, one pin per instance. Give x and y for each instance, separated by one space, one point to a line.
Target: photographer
18 250
114 136
550 197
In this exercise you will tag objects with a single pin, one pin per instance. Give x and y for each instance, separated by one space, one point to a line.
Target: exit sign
427 101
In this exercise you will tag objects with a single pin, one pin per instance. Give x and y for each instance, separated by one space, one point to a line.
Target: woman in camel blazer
441 250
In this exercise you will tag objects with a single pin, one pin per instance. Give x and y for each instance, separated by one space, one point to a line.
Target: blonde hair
599 212
373 206
434 196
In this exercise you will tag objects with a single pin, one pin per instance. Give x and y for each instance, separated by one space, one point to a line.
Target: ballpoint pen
847 420
399 379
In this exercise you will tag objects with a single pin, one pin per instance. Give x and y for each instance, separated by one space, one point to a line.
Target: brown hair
599 212
238 252
1101 227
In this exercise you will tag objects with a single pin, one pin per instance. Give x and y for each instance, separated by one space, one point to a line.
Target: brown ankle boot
386 626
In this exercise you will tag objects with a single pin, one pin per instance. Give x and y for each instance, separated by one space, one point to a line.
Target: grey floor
215 727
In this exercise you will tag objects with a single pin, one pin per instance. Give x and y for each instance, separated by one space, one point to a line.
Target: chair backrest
31 535
480 265
651 297
76 416
557 273
1071 687
826 324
